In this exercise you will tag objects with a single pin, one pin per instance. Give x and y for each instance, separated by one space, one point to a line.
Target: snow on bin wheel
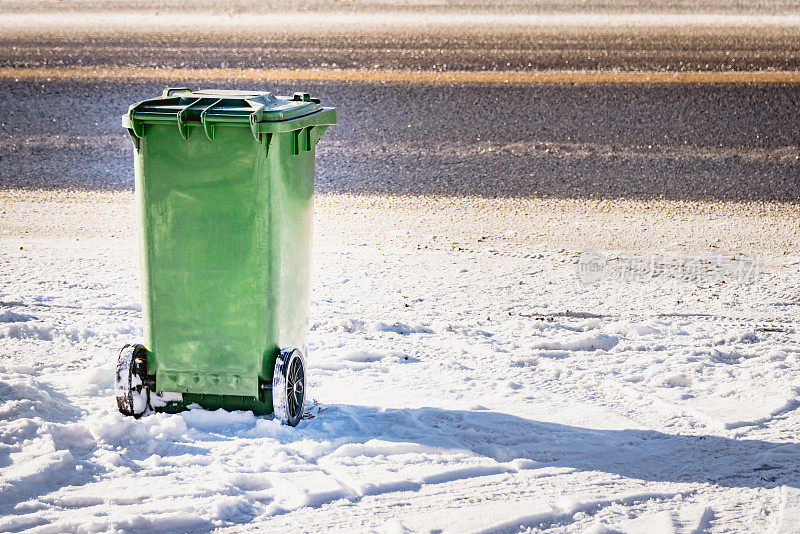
133 397
289 386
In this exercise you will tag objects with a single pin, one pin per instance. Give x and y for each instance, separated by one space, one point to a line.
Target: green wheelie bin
224 191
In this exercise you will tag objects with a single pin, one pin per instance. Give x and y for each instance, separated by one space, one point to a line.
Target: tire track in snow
563 516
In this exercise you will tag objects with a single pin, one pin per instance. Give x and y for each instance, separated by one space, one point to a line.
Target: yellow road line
373 76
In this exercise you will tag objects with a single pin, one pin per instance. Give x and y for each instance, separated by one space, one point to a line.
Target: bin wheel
133 398
289 386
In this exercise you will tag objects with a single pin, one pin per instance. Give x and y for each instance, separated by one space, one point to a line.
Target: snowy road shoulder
474 390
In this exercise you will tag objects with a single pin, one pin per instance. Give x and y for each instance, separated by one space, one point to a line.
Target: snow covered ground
468 377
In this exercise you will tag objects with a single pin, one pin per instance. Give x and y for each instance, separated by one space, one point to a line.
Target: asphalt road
452 40
657 48
729 142
673 141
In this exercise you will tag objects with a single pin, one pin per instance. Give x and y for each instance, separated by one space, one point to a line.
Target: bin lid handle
169 90
207 126
183 128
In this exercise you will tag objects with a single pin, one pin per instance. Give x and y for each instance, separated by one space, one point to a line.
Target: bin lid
262 111
222 105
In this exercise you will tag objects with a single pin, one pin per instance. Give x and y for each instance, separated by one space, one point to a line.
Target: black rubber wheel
133 398
289 386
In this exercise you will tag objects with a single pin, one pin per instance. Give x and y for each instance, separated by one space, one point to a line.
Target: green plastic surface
225 232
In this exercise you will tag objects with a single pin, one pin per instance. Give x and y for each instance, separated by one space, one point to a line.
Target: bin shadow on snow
636 454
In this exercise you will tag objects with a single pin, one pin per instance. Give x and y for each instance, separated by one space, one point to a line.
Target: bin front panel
206 249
